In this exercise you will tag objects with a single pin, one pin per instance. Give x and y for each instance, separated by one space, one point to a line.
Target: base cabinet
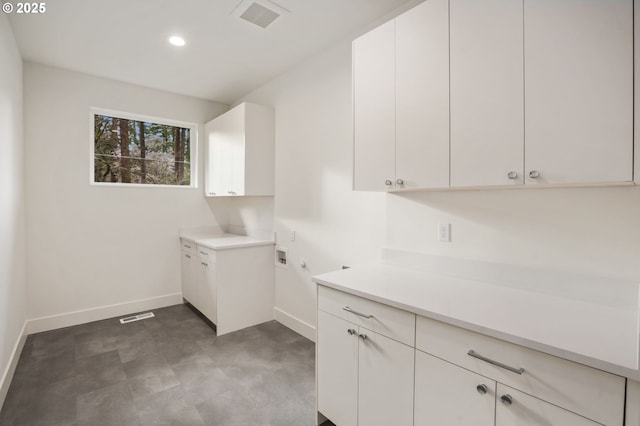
385 380
337 370
515 408
449 395
364 378
414 370
189 270
224 289
207 287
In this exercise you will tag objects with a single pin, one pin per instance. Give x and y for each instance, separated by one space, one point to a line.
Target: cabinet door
206 301
385 381
632 407
578 90
337 370
374 108
422 96
188 276
450 395
487 99
225 166
525 410
214 160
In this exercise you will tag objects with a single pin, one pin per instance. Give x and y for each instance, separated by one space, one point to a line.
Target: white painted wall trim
7 375
296 324
37 325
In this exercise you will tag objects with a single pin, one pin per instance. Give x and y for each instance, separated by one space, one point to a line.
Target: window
135 150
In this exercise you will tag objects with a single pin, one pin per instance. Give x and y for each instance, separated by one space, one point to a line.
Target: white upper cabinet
240 152
401 101
374 109
469 93
487 92
422 96
578 91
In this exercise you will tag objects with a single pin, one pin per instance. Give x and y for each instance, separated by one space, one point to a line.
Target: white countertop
223 241
602 334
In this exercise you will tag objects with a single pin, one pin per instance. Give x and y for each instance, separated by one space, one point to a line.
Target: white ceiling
224 58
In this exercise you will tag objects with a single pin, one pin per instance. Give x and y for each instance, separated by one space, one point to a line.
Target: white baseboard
7 376
296 324
53 322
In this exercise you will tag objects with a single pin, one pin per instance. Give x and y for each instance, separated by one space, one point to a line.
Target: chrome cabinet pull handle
482 389
473 354
351 331
348 309
506 399
534 174
205 253
187 256
363 336
388 182
187 246
399 181
512 175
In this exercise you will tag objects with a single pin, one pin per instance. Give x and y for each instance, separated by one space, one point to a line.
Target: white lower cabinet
233 288
632 408
337 370
446 394
385 380
207 289
449 395
515 408
589 392
379 365
364 378
188 270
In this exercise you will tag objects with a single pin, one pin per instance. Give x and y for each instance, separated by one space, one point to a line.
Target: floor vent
136 317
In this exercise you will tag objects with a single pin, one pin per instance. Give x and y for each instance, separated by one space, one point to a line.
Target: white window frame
193 149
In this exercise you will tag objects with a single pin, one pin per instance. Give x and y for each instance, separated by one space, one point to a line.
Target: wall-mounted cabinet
401 101
540 92
487 93
578 91
240 152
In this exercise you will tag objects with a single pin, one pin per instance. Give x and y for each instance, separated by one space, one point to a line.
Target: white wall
91 246
12 231
251 215
314 155
587 230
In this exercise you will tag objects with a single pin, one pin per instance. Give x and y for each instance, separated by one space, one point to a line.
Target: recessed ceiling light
176 40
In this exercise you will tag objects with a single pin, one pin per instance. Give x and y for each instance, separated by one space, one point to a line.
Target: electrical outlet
444 232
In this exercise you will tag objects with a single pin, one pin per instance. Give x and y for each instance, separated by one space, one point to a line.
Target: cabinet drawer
188 246
527 410
587 391
386 320
206 254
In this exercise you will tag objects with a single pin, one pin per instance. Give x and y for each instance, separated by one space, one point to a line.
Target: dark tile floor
169 370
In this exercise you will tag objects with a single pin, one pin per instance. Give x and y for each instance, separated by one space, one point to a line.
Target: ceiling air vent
259 12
